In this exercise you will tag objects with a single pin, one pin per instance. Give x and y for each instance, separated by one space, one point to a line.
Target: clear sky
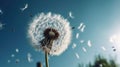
101 19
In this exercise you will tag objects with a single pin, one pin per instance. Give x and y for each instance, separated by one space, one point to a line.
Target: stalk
46 59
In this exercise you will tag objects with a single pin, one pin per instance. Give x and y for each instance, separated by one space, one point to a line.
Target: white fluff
17 50
77 55
12 55
103 48
77 35
84 49
74 46
24 8
81 27
81 41
89 43
49 20
71 15
1 12
29 57
9 61
1 26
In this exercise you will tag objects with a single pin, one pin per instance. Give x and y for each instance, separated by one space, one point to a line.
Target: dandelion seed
29 57
9 61
77 35
84 49
1 12
1 26
26 6
89 43
80 26
82 29
103 48
77 55
17 50
81 41
74 46
70 15
12 55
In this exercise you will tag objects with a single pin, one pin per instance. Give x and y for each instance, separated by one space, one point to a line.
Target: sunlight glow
115 40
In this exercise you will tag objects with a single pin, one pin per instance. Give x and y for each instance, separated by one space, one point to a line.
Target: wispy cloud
74 46
29 57
77 35
84 49
24 8
77 55
89 43
71 15
1 12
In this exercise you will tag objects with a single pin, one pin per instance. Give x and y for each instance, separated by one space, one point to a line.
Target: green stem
46 59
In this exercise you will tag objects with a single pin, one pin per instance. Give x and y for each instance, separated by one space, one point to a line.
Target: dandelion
50 33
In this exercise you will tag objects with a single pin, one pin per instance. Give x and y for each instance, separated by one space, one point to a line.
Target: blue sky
101 18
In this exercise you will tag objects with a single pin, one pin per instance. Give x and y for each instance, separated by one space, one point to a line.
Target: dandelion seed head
53 21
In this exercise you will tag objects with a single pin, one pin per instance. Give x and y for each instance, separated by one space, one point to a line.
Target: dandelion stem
46 59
